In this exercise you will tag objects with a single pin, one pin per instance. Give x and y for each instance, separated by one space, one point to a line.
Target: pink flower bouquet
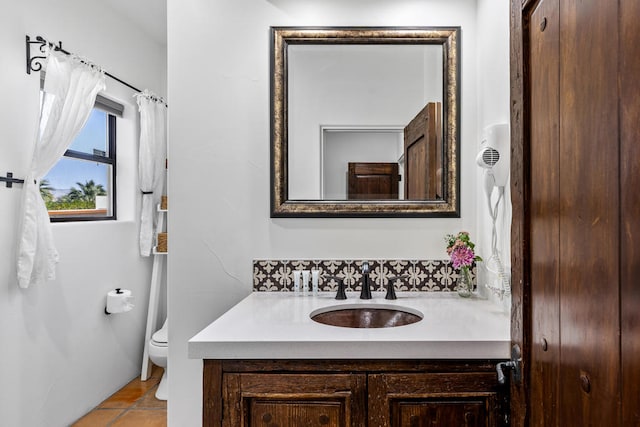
461 250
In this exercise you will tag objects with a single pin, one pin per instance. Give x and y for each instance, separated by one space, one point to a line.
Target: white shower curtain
151 162
70 90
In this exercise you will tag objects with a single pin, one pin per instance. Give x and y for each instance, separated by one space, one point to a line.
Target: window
82 185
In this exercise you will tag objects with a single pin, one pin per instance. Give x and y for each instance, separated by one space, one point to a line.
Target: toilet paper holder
118 301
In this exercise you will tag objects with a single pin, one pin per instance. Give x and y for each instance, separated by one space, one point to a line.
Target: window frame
109 159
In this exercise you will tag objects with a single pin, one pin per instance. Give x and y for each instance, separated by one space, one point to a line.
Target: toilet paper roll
119 301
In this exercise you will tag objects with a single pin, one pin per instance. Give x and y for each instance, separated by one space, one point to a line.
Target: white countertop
276 325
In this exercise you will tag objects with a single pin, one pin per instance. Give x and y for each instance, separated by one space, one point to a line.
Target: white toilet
158 352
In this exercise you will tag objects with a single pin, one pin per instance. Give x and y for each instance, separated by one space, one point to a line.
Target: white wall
218 57
61 355
493 107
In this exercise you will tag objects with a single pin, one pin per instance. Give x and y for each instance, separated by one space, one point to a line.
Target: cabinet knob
470 419
266 417
543 24
324 420
585 383
414 421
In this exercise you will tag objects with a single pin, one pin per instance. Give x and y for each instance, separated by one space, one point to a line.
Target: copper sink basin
366 316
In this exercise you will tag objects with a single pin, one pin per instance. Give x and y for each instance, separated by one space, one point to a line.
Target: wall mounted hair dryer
494 154
493 158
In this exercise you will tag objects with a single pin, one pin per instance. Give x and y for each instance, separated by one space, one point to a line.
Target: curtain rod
34 62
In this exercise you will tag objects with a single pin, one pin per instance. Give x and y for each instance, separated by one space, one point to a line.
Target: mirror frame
281 38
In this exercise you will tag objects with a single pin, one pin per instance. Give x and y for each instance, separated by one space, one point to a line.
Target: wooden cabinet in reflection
373 181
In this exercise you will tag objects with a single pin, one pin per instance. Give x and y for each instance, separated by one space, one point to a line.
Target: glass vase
464 286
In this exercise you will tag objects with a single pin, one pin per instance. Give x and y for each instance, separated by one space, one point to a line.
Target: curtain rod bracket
10 180
34 63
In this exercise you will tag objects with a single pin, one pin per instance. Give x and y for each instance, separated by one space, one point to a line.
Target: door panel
415 400
519 183
423 155
544 211
294 400
589 377
630 209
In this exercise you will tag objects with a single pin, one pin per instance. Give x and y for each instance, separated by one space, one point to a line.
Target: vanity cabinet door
421 400
294 400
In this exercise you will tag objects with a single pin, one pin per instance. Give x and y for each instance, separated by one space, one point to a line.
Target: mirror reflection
364 122
349 143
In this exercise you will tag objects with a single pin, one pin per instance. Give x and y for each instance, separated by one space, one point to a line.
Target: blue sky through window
93 134
67 172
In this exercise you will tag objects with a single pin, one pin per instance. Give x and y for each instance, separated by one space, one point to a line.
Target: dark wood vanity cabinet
352 394
434 399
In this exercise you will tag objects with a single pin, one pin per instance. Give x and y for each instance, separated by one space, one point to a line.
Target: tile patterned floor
134 405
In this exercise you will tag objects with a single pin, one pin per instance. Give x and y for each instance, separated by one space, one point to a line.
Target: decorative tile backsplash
408 275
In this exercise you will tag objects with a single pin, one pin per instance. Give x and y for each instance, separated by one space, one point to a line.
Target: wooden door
294 400
373 181
575 174
434 400
423 155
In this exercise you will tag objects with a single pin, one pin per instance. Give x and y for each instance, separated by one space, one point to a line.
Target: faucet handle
341 294
365 266
391 291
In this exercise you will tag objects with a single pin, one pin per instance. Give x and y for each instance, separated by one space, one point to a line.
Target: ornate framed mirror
365 122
